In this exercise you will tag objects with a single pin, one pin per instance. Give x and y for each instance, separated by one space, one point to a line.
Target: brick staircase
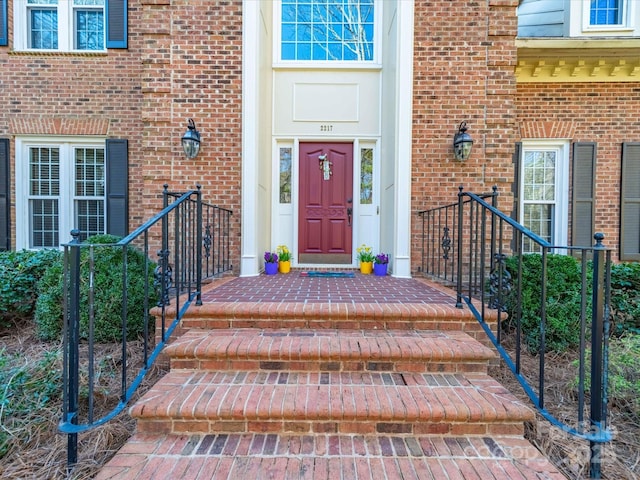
327 392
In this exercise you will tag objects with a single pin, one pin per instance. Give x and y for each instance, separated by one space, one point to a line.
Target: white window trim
66 145
561 224
581 17
337 64
66 29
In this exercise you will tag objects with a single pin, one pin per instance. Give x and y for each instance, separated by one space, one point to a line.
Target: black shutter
583 185
4 40
630 203
117 173
5 205
515 186
116 23
515 189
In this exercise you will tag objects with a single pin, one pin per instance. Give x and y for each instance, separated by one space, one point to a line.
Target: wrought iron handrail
193 241
466 245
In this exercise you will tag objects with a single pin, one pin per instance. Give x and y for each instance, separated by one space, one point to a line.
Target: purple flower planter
380 269
271 268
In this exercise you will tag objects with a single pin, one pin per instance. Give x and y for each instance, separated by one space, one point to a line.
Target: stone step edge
181 402
324 311
241 455
280 348
328 365
364 322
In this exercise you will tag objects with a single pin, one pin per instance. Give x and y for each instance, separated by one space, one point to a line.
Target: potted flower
380 264
270 263
365 256
284 255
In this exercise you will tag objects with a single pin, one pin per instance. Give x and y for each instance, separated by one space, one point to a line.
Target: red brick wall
74 94
192 68
463 70
605 113
183 61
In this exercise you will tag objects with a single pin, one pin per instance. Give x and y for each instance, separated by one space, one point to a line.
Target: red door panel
325 230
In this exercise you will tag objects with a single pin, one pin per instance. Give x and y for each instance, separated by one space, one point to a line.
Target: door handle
349 212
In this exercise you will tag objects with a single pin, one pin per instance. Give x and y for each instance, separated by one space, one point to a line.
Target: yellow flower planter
366 268
284 267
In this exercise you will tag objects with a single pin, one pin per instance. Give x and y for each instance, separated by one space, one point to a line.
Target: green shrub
625 298
19 275
563 300
107 294
28 387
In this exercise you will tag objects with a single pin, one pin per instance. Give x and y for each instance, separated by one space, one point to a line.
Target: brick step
320 457
354 316
329 350
186 401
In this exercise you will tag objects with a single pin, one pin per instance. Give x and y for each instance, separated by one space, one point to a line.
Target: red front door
326 202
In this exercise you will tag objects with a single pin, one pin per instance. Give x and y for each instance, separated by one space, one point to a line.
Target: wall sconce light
462 143
191 140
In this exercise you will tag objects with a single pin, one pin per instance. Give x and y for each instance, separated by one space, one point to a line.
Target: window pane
366 176
89 182
539 174
89 172
285 175
89 217
327 30
98 3
44 171
44 223
539 219
44 181
43 29
605 12
89 30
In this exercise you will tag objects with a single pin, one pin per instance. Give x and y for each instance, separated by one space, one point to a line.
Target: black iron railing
192 239
487 257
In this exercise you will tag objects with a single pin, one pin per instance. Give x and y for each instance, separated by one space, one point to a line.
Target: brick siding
604 113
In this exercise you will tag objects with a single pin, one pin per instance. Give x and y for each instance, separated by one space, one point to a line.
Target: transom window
327 30
605 12
62 187
63 25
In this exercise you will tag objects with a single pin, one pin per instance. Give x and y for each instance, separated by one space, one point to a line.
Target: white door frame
250 263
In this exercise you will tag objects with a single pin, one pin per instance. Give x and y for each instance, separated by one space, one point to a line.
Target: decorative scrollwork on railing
500 282
163 278
446 243
207 241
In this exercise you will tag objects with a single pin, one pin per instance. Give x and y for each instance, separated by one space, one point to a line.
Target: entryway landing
294 300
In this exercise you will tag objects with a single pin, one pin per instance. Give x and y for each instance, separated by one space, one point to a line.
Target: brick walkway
294 377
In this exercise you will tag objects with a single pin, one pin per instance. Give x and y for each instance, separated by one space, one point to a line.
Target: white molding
249 265
403 145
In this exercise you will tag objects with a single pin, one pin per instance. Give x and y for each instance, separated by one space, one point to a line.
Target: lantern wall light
191 140
462 143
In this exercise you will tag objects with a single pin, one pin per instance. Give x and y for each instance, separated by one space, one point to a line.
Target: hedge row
31 287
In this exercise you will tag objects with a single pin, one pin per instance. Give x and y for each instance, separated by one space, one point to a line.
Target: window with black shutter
116 23
630 203
583 183
117 170
5 204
